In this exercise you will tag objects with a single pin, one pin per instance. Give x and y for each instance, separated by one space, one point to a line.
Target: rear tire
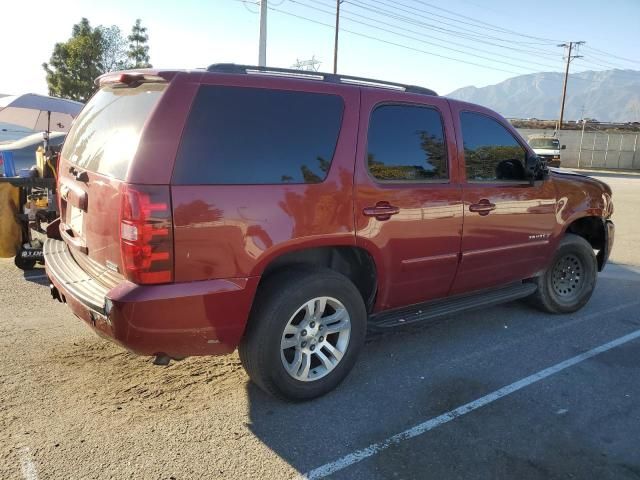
567 285
306 329
24 263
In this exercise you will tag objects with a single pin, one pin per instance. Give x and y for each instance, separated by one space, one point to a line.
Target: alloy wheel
315 339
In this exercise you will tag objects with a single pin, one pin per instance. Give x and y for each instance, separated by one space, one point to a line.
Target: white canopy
39 112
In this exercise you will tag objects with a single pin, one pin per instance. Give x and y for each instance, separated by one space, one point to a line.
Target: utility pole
570 57
335 43
262 49
581 138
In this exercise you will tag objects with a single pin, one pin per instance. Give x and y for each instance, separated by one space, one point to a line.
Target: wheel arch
593 229
354 262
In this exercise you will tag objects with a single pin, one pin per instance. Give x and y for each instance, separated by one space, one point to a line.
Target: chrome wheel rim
315 339
567 277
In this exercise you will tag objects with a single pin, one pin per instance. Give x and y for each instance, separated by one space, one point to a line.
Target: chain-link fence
609 150
595 148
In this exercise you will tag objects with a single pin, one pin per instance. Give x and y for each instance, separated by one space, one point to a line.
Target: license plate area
76 220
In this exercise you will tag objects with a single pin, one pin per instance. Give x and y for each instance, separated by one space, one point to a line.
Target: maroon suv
286 213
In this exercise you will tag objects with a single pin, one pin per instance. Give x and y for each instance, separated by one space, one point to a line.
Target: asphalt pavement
506 392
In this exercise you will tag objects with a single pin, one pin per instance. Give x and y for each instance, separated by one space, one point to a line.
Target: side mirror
563 147
536 168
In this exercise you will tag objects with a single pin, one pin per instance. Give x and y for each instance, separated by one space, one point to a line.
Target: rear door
408 203
95 162
507 220
264 168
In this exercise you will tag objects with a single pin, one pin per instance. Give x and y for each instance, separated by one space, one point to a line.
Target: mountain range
608 96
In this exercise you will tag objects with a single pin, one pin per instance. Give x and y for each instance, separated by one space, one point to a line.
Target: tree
114 49
138 49
76 63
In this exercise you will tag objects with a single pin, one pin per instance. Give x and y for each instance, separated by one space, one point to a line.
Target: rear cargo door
95 161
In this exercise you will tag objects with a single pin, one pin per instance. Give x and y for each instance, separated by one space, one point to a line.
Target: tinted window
490 151
256 136
105 136
406 143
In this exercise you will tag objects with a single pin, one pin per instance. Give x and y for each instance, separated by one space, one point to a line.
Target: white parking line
29 470
373 449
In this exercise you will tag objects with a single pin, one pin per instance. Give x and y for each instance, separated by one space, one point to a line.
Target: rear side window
491 152
237 135
406 143
105 136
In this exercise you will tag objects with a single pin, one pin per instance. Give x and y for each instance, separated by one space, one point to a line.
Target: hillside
608 96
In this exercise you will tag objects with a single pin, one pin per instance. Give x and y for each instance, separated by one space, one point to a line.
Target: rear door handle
382 211
483 207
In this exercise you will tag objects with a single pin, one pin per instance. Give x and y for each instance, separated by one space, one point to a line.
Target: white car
548 148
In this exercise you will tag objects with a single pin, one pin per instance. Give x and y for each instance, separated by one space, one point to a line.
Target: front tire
306 330
567 285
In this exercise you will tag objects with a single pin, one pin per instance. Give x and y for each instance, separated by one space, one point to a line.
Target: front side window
406 143
491 153
237 135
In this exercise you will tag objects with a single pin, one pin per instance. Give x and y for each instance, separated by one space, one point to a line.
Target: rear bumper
179 319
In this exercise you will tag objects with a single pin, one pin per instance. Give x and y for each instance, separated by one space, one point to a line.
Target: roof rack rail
320 76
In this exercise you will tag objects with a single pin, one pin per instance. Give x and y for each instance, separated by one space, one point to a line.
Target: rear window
237 135
105 136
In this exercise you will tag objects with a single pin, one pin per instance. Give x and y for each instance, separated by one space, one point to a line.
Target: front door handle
382 211
483 207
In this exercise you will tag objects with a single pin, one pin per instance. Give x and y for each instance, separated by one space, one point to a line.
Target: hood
583 193
579 177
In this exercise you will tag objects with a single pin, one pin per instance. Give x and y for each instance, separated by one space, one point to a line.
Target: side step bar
449 306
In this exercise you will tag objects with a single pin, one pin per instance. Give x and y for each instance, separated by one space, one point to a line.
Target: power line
488 25
614 56
420 40
603 64
401 18
412 10
445 31
363 35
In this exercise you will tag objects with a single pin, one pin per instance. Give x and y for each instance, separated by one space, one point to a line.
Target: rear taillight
146 234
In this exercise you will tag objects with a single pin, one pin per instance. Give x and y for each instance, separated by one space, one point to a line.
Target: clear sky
190 33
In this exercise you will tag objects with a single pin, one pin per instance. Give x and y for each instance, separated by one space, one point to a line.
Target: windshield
549 143
105 136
